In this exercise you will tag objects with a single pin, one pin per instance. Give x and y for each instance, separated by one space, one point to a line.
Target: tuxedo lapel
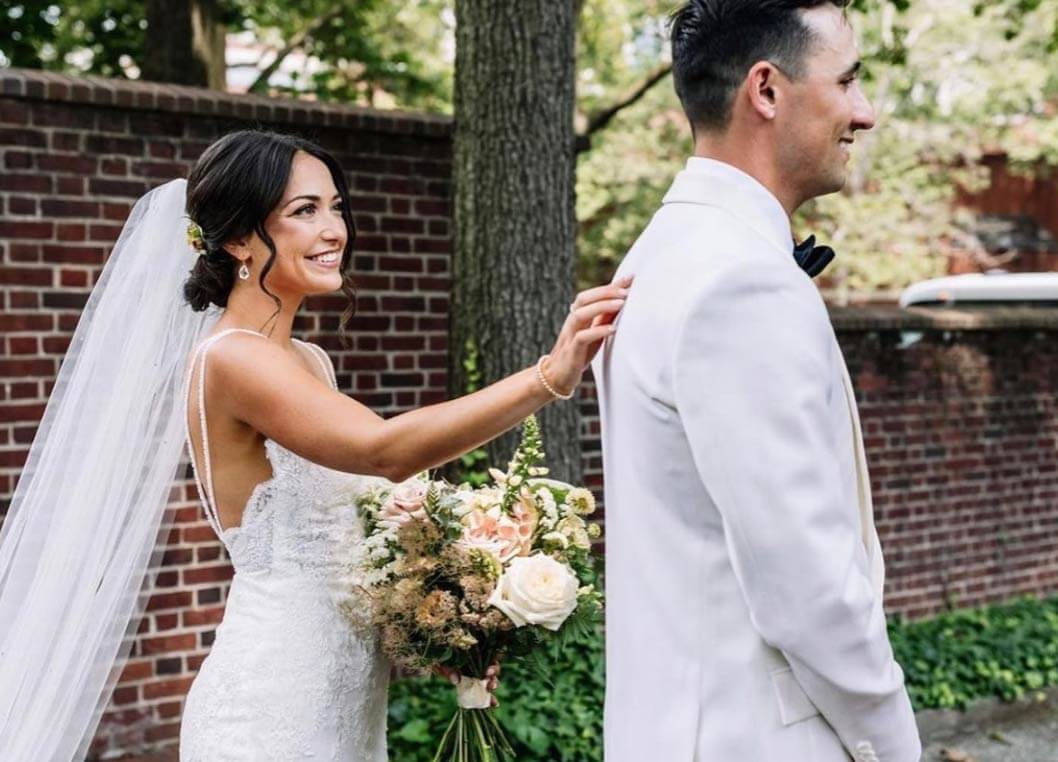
863 485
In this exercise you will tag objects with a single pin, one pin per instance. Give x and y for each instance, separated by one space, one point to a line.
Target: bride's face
308 232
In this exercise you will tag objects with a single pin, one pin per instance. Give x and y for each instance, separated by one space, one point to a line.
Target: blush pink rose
404 504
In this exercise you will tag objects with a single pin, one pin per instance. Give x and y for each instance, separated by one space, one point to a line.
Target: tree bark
515 225
185 43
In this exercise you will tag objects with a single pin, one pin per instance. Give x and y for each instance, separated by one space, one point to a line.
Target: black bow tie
811 258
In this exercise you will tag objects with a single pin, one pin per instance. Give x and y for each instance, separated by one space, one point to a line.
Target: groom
744 575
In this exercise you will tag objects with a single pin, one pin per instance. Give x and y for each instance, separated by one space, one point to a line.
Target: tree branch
295 42
599 119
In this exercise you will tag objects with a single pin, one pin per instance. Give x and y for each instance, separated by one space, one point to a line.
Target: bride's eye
301 211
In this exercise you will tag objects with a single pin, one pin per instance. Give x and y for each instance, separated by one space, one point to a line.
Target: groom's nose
863 111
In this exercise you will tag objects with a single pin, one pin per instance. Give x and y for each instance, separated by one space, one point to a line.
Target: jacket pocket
794 704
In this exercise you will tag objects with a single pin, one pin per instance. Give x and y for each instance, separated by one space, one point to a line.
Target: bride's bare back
238 463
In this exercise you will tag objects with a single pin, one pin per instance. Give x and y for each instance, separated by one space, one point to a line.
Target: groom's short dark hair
716 42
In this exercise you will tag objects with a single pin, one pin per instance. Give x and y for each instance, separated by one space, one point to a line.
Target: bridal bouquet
463 578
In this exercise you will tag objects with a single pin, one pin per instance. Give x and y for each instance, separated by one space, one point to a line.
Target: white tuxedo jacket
743 572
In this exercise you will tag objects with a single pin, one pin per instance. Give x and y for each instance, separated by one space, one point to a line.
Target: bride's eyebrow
308 197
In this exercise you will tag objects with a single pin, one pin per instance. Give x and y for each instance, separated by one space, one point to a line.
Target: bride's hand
492 677
590 321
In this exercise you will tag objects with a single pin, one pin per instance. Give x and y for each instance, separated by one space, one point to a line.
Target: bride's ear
239 248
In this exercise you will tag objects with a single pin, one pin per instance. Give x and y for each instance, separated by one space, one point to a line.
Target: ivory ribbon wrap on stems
472 693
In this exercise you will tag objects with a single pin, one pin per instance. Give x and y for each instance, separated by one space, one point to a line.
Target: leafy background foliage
1004 651
950 80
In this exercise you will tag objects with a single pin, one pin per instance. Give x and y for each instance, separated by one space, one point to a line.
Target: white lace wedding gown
289 676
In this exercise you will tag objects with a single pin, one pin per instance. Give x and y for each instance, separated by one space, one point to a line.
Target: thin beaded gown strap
205 486
321 358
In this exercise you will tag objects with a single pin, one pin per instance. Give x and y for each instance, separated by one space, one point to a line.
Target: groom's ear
762 82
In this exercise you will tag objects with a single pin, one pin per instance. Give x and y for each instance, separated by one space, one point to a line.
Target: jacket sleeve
752 376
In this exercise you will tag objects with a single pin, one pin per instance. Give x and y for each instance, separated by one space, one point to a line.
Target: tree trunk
185 43
515 228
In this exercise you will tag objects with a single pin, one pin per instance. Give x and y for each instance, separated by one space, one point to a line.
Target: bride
278 454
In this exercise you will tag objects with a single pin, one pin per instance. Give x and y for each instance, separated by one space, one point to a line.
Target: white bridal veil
83 523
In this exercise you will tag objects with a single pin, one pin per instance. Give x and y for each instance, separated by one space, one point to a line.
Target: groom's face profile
825 107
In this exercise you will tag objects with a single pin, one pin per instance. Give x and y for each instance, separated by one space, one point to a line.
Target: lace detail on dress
289 675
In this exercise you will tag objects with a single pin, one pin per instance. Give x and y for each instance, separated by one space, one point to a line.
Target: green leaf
416 731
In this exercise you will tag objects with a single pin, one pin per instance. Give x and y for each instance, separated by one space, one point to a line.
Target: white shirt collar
715 183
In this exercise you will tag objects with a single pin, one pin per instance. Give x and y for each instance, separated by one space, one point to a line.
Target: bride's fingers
492 674
612 291
587 341
599 293
618 287
585 316
594 307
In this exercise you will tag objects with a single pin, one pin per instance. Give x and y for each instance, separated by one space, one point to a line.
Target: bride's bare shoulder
241 360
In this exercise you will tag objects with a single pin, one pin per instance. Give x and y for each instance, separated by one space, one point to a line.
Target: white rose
536 590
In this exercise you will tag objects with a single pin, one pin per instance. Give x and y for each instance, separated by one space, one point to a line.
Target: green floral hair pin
195 239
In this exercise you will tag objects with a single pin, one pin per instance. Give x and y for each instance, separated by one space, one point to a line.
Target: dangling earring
244 272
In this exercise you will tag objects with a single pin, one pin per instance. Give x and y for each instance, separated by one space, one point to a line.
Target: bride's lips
327 260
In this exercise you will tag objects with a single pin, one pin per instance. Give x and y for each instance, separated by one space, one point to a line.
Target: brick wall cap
33 84
882 318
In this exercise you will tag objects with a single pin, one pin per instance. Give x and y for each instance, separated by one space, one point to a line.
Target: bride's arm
260 384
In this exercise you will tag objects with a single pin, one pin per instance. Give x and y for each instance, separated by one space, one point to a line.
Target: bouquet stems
474 735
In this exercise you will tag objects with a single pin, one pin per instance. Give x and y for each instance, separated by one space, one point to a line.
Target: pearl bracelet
546 385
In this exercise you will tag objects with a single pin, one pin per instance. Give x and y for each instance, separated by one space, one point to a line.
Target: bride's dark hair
233 187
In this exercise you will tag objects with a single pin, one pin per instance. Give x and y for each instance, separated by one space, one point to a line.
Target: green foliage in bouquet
550 717
1001 651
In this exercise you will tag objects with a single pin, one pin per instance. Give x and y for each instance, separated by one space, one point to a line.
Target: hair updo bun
211 280
233 187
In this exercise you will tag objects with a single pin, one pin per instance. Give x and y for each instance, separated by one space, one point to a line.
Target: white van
994 288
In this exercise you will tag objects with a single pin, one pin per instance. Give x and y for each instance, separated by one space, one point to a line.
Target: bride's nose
333 229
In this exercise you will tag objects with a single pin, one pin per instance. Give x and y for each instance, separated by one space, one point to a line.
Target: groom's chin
834 183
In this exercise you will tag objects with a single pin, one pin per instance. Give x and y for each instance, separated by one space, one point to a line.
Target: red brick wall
75 154
960 419
961 423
